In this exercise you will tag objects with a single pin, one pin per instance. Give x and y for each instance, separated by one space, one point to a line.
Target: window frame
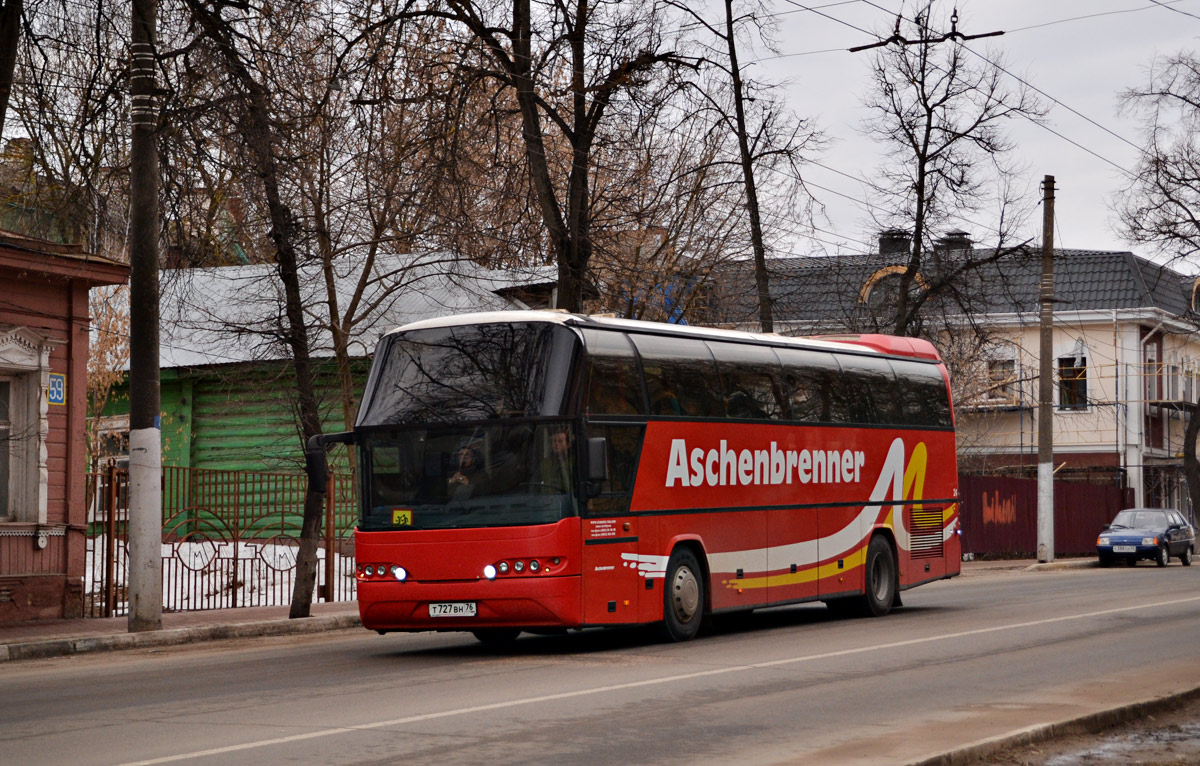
1073 391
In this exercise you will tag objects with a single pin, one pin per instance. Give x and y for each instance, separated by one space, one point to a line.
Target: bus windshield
504 474
470 372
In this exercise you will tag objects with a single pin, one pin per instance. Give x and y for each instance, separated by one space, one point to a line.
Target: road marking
647 682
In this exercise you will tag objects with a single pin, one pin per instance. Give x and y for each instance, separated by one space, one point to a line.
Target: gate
230 539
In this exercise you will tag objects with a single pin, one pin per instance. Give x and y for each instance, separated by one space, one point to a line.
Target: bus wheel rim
879 581
685 594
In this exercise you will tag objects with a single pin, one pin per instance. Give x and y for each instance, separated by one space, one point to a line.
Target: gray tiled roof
813 289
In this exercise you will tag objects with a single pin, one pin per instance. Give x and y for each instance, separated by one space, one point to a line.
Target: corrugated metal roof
235 313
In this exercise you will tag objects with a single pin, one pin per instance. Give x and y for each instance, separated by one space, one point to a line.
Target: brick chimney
894 242
954 241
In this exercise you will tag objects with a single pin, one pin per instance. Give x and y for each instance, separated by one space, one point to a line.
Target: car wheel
1162 558
496 636
683 596
1185 558
1105 561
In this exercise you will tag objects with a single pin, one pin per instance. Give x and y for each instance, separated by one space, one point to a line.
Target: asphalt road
963 660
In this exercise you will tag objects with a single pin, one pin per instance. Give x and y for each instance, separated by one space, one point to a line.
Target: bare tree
940 114
1161 205
767 136
571 67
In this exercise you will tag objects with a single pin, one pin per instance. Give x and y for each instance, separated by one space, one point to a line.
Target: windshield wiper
1117 526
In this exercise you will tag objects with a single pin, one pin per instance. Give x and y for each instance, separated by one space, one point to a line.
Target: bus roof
867 344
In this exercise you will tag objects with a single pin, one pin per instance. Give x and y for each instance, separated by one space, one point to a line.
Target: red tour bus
542 470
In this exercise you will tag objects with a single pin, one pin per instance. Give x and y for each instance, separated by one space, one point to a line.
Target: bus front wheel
496 636
683 596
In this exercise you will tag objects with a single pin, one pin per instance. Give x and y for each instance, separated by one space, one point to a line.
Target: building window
1002 381
1072 382
5 449
24 426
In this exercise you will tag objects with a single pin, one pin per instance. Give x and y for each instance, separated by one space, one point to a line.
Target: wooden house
44 326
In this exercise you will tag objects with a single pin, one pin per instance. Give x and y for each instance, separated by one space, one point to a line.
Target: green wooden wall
241 417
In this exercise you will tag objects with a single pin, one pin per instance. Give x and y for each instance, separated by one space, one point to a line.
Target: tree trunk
761 278
260 141
1191 469
10 38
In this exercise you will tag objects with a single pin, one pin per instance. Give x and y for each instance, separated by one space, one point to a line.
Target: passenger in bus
558 467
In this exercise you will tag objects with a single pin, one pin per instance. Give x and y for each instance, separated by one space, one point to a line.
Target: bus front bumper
510 602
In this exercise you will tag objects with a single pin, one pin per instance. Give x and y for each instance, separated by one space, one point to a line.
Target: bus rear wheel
683 596
879 578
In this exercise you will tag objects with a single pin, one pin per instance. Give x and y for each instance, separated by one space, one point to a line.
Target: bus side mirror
316 465
317 468
597 459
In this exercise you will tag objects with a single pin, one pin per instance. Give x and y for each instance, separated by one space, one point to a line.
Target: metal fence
230 539
999 514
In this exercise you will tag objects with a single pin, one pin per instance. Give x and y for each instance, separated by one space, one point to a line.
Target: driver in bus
469 475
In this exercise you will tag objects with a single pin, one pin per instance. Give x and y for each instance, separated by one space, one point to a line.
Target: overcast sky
1080 53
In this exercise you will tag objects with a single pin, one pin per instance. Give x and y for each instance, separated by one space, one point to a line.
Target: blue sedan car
1146 533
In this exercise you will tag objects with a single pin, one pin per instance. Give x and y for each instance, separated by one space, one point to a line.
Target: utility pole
145 428
1045 525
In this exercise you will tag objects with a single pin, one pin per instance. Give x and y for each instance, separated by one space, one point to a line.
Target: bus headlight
534 566
489 572
503 567
519 566
399 573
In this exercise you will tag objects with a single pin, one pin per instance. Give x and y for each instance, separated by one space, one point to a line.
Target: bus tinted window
750 378
681 377
868 389
472 372
614 382
808 385
924 400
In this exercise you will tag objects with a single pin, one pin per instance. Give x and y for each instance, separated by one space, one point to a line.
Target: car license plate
1124 549
452 609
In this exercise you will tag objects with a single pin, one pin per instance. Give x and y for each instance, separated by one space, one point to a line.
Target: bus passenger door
611 577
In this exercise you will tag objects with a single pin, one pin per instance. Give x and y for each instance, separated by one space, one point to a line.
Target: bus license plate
452 609
1124 549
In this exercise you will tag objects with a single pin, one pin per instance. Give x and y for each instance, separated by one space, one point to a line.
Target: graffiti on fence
999 510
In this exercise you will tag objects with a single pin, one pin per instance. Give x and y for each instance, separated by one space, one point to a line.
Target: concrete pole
1045 526
145 428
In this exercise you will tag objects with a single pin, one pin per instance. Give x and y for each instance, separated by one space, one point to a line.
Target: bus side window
624 443
614 382
870 389
750 378
681 377
809 386
922 394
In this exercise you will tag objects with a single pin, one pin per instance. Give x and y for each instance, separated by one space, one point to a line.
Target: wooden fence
999 514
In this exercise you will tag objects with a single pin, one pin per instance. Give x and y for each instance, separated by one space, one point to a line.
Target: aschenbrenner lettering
725 467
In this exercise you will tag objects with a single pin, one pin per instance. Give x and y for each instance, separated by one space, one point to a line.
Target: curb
1087 724
1066 564
60 647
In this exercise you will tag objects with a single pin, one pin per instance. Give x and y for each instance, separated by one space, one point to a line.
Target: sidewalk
56 638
